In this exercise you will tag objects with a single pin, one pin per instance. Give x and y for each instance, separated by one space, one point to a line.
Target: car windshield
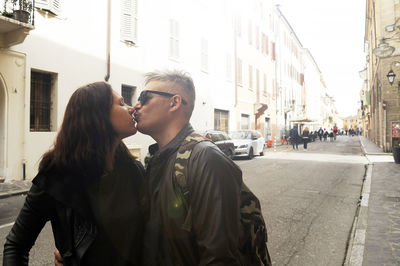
241 135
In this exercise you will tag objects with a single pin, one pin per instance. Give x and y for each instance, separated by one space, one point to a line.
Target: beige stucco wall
12 84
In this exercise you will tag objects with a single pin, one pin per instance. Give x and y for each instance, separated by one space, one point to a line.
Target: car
248 143
222 140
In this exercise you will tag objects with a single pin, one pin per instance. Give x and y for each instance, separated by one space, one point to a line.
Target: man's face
151 111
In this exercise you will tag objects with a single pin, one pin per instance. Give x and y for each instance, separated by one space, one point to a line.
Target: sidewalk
11 188
376 233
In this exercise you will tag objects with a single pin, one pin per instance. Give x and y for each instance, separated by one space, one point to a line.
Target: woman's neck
109 163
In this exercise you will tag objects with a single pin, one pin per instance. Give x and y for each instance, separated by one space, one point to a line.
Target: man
320 133
294 137
209 236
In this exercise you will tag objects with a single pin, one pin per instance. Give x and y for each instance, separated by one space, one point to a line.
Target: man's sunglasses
144 96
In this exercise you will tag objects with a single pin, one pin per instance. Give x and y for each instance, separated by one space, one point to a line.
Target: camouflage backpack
253 244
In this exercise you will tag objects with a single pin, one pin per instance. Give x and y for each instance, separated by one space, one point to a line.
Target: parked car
248 143
222 140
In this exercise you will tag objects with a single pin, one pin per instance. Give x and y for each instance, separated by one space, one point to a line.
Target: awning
302 120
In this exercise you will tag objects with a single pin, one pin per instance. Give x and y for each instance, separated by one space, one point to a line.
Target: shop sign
396 129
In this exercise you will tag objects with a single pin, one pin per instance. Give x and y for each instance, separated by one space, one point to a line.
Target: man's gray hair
181 78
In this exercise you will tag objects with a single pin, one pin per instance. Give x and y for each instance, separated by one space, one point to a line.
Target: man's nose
137 105
131 109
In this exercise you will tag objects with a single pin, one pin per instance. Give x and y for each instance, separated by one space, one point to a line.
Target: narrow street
309 200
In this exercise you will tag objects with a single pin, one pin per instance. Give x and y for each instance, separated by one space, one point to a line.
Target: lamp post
391 75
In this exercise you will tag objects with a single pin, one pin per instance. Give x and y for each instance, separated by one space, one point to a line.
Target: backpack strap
181 173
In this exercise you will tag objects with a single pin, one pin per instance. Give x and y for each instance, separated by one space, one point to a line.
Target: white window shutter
129 20
55 6
42 4
49 5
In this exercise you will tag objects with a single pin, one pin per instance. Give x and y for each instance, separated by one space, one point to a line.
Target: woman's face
121 117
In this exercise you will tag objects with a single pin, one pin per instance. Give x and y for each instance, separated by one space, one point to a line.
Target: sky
333 31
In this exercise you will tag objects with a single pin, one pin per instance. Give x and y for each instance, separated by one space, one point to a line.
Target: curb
355 251
13 193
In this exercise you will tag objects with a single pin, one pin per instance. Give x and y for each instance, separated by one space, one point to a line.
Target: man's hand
58 261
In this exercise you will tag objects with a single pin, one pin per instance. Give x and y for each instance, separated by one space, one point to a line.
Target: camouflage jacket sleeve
214 184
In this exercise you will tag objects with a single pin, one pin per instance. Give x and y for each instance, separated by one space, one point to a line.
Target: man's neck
167 135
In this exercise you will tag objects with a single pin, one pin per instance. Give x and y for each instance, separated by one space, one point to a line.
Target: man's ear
175 102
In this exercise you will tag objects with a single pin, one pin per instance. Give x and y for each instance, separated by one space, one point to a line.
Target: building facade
381 95
247 64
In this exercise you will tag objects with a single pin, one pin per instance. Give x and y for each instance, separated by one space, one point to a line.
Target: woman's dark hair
86 136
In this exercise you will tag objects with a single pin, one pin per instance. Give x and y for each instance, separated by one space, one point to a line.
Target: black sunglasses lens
143 97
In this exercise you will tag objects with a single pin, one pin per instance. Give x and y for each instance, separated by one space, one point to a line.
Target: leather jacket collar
172 146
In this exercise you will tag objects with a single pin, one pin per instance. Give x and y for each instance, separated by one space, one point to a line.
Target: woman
88 186
306 137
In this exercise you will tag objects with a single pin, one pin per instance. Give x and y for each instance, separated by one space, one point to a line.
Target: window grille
40 102
127 93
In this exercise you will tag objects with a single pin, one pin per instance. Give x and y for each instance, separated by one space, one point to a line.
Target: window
257 79
129 21
250 77
238 26
273 51
239 72
204 55
52 6
265 84
127 93
250 33
221 120
258 38
228 68
42 118
244 122
173 39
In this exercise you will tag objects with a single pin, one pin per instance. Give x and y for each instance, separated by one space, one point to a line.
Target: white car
248 143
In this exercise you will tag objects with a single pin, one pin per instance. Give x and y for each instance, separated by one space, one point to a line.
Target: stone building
381 93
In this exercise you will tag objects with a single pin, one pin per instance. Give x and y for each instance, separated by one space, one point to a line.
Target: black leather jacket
214 183
63 201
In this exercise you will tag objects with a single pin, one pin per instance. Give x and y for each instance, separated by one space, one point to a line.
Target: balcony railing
16 21
19 10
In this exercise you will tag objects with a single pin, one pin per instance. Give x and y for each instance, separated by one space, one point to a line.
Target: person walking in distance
320 133
306 137
294 137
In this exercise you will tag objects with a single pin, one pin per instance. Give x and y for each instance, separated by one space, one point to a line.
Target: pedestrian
305 138
320 133
331 136
325 134
88 186
204 230
294 137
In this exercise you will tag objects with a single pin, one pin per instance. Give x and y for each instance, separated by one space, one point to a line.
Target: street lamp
391 75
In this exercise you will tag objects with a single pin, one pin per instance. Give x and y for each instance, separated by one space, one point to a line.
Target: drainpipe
235 56
107 76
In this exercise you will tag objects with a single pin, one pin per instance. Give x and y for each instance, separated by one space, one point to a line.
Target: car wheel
229 153
262 153
251 154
